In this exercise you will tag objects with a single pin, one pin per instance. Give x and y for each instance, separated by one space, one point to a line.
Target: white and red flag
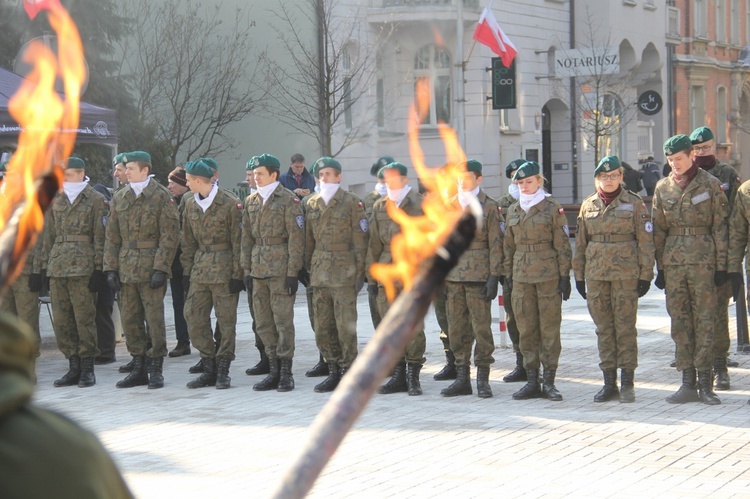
489 33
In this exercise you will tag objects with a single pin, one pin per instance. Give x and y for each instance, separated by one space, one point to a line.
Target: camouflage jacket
211 241
739 229
335 239
614 242
678 214
142 233
505 201
730 180
369 201
74 234
273 236
484 257
537 247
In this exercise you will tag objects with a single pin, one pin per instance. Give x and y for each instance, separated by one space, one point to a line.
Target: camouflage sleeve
36 255
247 243
738 226
100 220
660 227
582 241
48 239
236 238
509 250
112 240
734 186
188 245
309 240
374 246
169 234
295 227
561 242
359 236
495 240
644 230
719 227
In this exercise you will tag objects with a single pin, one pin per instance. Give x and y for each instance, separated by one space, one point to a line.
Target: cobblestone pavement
177 442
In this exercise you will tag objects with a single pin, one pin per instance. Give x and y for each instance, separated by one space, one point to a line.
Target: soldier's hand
508 286
490 288
304 277
158 279
291 284
720 277
581 288
185 284
113 281
643 287
372 289
563 285
737 283
502 280
359 284
35 283
660 281
96 281
235 286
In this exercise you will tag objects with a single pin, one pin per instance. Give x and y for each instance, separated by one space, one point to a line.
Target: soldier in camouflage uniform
143 232
73 245
382 230
119 170
335 249
273 246
690 234
739 235
177 186
537 257
704 155
210 260
472 285
614 255
369 201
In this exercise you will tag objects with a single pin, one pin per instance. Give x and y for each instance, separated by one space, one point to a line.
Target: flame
49 124
421 236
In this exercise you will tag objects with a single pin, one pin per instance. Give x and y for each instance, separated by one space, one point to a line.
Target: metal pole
461 95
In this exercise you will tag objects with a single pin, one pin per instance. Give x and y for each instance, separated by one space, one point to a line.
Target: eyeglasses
611 176
703 148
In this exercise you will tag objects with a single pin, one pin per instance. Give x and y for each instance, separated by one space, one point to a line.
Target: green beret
526 170
678 143
75 163
327 162
513 166
701 134
199 168
250 163
266 160
140 156
211 162
393 165
380 163
607 164
4 165
118 159
472 165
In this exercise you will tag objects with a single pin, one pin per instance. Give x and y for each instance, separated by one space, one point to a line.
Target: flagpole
461 97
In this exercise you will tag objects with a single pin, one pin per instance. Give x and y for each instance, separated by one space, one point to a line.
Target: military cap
139 156
4 165
250 163
327 162
701 134
266 160
380 163
393 165
200 168
178 176
678 143
118 159
607 164
313 169
211 162
526 170
75 163
513 166
472 165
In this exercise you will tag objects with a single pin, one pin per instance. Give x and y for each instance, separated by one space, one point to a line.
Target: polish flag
33 7
489 33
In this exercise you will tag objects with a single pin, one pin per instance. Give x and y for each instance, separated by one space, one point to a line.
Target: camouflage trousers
74 311
721 341
614 307
201 298
469 322
141 306
538 308
510 320
372 300
691 303
417 345
24 304
336 324
441 314
274 316
258 342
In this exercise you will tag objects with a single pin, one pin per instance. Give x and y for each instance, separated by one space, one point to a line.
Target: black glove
720 277
372 289
737 283
235 286
45 280
581 287
508 286
502 280
113 281
35 283
248 280
158 279
660 281
95 283
643 287
304 277
291 284
563 285
186 284
490 288
359 284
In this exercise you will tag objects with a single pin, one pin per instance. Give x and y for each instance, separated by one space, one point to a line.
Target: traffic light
503 84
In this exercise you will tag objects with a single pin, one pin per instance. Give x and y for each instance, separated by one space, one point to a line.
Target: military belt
690 231
333 248
73 239
478 245
140 244
612 238
214 247
270 241
534 247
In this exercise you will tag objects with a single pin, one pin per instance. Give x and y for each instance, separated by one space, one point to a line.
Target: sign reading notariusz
587 62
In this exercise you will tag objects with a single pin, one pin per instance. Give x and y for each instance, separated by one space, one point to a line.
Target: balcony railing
379 4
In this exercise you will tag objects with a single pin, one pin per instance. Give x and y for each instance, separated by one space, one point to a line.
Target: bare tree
192 77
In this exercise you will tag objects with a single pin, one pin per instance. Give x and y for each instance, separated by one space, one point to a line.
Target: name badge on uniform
592 214
699 198
625 207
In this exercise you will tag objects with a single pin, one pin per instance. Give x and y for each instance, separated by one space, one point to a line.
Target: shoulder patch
171 200
649 227
565 227
363 224
562 211
104 220
502 227
296 200
360 204
239 206
499 209
300 220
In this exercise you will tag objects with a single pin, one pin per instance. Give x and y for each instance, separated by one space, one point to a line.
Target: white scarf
327 191
514 191
398 195
381 189
253 190
266 191
139 186
317 188
528 201
73 189
465 197
206 202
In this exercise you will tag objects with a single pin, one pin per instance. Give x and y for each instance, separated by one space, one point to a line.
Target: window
700 20
432 71
721 115
697 106
735 22
611 126
721 21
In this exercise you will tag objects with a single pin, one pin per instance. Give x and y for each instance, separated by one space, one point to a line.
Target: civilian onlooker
298 179
632 178
650 175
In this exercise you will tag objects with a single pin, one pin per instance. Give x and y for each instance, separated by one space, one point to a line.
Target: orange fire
420 237
49 122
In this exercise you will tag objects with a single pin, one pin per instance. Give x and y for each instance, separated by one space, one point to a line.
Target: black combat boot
87 373
462 385
518 373
197 368
397 383
449 369
331 382
722 374
223 380
413 386
127 368
261 367
609 391
182 348
138 376
270 382
319 369
627 389
531 389
73 375
705 390
548 386
286 380
484 391
155 373
686 393
207 377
